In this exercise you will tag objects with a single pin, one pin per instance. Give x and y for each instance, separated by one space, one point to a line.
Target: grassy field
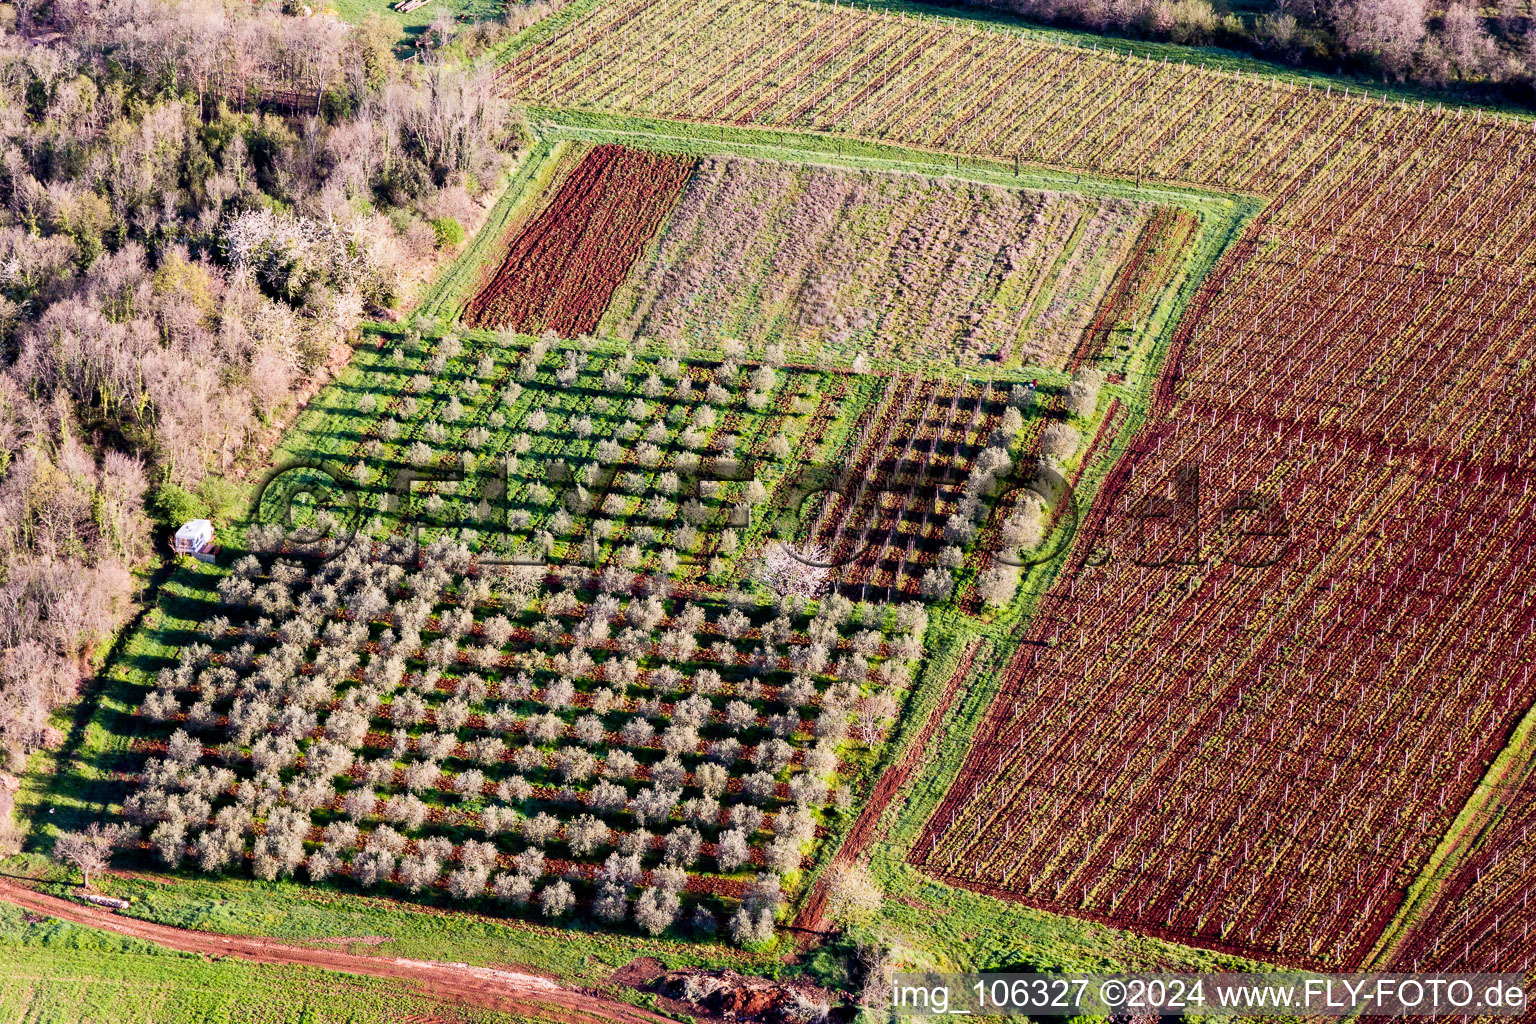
419 929
61 973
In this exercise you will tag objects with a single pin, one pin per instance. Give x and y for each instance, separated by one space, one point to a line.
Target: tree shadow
92 772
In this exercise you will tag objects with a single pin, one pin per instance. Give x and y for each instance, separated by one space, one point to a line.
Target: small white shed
195 538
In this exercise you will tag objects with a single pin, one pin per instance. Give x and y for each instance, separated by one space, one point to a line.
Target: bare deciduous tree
90 850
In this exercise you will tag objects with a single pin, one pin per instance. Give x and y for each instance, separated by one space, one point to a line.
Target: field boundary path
811 923
778 144
487 987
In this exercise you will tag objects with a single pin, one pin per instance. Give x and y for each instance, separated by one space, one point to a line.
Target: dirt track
449 982
811 921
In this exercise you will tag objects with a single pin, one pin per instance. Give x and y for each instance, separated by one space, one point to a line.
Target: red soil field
1261 757
562 268
1481 917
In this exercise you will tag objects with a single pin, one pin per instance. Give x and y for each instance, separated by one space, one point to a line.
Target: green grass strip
60 973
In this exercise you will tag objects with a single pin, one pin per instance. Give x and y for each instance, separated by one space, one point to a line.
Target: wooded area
179 249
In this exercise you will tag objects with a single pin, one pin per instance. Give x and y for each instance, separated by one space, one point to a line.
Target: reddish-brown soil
450 982
1479 918
562 268
728 996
